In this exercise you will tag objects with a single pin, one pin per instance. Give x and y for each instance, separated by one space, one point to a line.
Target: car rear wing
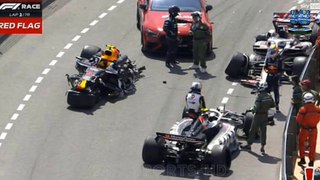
282 18
180 138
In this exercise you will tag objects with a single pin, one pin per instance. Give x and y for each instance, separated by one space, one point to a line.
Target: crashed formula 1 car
92 82
207 141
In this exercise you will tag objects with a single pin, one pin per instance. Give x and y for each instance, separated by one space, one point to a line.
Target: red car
151 15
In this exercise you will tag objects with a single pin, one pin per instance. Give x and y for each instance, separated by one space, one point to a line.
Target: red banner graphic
20 25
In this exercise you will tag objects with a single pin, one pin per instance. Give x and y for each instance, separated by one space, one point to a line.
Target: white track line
3 135
76 38
60 54
27 97
20 107
68 46
234 84
94 22
230 90
224 100
120 1
85 30
15 116
39 79
8 126
112 8
53 62
45 71
33 88
102 15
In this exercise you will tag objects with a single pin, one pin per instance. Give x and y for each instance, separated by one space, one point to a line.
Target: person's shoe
302 162
194 66
203 70
169 65
246 147
277 108
271 123
176 62
311 164
262 149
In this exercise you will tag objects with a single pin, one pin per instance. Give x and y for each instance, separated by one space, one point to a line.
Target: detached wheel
236 66
247 123
152 151
89 50
220 160
81 99
298 65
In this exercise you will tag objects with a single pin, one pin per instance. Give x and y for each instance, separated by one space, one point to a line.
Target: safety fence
289 146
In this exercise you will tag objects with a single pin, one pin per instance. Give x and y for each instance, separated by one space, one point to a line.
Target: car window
184 5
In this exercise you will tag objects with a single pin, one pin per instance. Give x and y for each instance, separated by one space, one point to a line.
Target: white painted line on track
224 100
53 62
234 84
68 46
301 1
33 88
46 71
112 8
60 54
102 15
120 1
293 8
8 126
27 97
0 144
20 107
220 107
39 79
230 90
76 38
93 22
15 116
3 135
85 30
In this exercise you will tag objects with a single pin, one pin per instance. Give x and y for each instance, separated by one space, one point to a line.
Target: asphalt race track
42 138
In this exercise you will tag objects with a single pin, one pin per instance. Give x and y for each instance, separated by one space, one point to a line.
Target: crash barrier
289 146
45 3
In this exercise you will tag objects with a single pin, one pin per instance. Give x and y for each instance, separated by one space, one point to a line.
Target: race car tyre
247 123
220 160
261 37
138 18
298 65
89 50
236 66
81 99
314 34
152 151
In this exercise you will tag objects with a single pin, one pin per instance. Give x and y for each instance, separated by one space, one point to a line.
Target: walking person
201 37
262 105
170 26
308 117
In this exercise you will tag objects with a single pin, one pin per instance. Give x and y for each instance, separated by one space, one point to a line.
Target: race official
273 67
306 86
201 38
194 100
308 117
170 27
262 105
296 99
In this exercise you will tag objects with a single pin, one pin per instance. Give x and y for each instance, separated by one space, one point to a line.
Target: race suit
194 102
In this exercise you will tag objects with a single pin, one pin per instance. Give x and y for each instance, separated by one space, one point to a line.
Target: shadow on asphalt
279 116
264 157
188 171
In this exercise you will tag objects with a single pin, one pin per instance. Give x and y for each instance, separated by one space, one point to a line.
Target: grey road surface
42 138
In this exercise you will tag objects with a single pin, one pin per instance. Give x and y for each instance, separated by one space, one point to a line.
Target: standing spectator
262 105
170 26
306 86
296 99
201 37
308 118
273 67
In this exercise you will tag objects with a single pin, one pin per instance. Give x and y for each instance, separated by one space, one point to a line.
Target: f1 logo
12 6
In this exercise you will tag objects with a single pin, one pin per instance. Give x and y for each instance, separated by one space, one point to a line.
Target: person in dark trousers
308 117
296 99
170 27
262 105
201 37
273 67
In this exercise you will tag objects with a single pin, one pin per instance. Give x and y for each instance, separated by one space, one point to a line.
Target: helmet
317 19
174 10
272 51
196 86
271 33
111 54
262 86
308 98
196 14
306 83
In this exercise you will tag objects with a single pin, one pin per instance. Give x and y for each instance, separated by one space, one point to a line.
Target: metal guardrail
289 143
